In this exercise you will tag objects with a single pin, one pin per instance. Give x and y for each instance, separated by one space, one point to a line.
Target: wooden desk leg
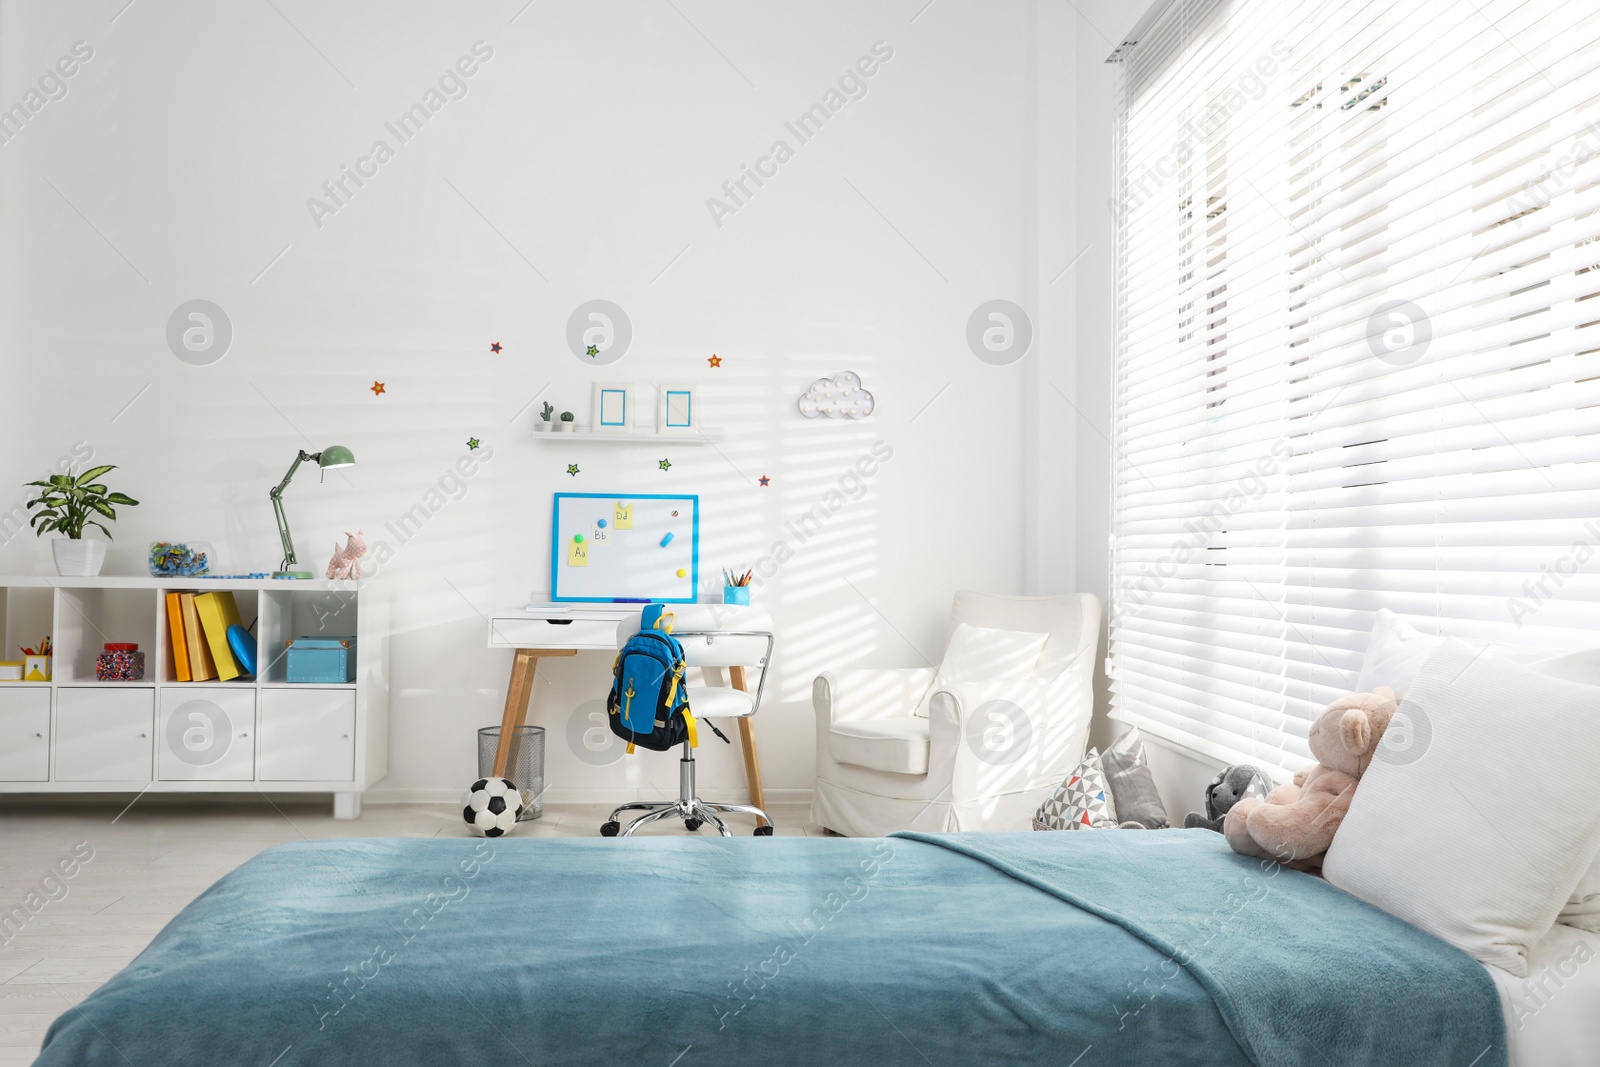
518 692
747 737
523 665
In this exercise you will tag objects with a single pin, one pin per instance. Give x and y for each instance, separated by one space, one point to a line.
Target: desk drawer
547 633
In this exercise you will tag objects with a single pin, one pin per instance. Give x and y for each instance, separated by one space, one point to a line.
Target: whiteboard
606 546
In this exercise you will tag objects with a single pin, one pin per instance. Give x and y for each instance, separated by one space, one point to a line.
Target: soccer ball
491 806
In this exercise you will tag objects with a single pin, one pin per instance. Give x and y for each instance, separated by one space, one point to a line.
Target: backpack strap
653 616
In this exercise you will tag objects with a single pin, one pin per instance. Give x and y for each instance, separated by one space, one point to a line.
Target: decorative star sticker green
572 468
473 443
594 350
665 464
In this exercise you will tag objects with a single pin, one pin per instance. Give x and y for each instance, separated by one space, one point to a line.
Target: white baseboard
569 795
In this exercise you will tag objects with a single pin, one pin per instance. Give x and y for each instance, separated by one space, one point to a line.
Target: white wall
179 164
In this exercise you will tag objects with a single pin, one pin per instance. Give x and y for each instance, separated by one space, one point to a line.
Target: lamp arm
277 508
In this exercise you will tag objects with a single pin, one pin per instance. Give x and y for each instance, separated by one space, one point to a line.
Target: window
1358 350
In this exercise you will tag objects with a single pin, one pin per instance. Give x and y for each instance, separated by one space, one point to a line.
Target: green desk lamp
330 458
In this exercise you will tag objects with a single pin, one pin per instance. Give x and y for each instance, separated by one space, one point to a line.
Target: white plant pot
542 427
567 427
82 558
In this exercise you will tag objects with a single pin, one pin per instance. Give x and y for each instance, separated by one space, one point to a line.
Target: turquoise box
321 660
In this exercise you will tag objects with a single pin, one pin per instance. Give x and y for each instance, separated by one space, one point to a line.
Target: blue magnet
601 524
665 539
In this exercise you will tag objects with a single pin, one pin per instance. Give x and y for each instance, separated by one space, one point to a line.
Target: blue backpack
648 704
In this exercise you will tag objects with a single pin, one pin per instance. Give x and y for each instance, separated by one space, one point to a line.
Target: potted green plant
567 425
68 504
545 417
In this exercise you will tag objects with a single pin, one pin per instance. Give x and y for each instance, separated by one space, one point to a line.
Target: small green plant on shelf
549 410
68 503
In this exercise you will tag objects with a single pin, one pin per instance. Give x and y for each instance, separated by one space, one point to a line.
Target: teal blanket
1081 949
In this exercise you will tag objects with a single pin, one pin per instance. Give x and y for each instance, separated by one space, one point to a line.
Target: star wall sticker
715 360
472 444
495 348
572 468
592 350
765 481
665 464
378 389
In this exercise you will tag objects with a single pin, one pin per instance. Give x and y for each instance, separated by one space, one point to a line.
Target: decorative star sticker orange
377 389
715 360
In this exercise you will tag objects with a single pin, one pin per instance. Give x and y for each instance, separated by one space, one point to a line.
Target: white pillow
1430 836
979 654
1583 910
1397 650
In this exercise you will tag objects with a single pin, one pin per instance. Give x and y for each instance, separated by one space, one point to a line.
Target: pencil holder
36 668
736 594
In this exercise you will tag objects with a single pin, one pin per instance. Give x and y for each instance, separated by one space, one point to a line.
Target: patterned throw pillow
1082 802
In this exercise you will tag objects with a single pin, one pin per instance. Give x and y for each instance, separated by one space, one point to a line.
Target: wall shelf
699 437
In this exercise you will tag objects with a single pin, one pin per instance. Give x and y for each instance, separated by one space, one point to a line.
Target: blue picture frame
690 501
621 422
687 401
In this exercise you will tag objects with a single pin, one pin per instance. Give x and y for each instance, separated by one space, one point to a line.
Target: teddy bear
1225 791
1295 824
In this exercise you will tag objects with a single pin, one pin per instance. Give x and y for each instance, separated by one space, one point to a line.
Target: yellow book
200 665
217 612
180 650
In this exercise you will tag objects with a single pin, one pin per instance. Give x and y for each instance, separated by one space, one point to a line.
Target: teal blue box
321 660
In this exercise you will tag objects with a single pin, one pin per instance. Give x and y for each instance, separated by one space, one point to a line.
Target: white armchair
906 749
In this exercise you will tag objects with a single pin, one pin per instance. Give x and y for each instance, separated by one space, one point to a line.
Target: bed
1159 948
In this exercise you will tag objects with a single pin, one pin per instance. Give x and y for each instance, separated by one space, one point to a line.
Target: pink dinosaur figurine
346 561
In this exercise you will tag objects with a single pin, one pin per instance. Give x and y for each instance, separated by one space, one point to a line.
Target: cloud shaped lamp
837 397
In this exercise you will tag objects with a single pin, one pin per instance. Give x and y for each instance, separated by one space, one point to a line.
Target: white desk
565 630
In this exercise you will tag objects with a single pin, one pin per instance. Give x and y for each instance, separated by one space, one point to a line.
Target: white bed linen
1553 1015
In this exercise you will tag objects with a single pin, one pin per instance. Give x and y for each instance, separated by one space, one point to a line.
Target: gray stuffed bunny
1227 789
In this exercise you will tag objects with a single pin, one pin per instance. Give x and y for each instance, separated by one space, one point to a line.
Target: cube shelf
76 734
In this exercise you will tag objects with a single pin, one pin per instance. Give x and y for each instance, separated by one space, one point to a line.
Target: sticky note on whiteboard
577 554
601 534
622 516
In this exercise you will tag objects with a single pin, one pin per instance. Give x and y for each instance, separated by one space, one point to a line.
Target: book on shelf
201 666
180 650
217 612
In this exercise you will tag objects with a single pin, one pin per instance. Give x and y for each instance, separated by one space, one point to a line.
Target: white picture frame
613 406
677 409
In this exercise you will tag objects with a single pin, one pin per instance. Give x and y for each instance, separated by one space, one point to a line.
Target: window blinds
1358 350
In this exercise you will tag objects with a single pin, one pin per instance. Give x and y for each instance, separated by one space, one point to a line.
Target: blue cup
736 594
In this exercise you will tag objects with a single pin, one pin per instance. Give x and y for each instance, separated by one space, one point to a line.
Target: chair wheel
764 831
693 824
610 829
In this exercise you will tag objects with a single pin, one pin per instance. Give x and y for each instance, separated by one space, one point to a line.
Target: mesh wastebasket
525 767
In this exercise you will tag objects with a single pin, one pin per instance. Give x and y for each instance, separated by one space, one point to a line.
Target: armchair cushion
982 654
899 746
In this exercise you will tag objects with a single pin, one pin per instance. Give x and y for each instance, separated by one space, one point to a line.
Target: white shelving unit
75 734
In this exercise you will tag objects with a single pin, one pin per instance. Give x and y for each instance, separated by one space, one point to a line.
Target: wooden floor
152 859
